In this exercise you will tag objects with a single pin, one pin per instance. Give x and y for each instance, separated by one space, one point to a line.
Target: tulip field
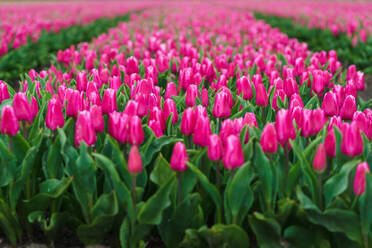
189 124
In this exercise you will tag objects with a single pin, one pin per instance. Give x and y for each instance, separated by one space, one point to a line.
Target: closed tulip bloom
202 131
156 114
84 130
34 107
339 90
284 126
81 81
233 153
200 111
109 101
204 97
320 159
352 142
131 108
192 93
156 128
348 108
170 108
9 122
330 144
54 117
119 126
215 148
243 85
335 120
134 161
227 129
318 120
330 106
360 178
362 122
22 107
136 135
115 83
179 157
221 108
250 119
170 91
132 65
73 98
261 95
298 116
188 122
4 93
269 141
97 118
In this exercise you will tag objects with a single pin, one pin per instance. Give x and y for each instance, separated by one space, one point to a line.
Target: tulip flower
330 144
179 157
97 118
136 135
34 107
156 128
4 93
156 114
134 161
250 119
348 108
84 130
215 148
204 97
170 108
109 101
202 131
352 142
221 107
261 95
233 153
298 116
362 122
170 91
9 122
192 93
131 108
243 85
320 159
339 90
329 104
22 107
54 117
73 98
285 129
119 126
132 65
269 141
188 121
360 178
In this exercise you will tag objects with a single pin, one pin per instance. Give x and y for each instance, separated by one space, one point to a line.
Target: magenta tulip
134 161
269 141
179 157
9 122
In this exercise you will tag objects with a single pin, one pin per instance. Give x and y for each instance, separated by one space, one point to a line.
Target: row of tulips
194 123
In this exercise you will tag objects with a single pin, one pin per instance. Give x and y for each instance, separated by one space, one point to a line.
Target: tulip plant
197 128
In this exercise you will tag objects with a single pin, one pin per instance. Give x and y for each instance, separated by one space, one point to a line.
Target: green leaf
151 211
20 147
55 161
300 237
103 213
162 171
9 224
365 206
267 230
338 183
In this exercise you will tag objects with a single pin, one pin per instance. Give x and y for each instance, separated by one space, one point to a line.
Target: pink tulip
54 117
84 130
97 118
284 126
22 107
188 121
170 108
221 107
136 135
156 128
330 144
261 95
269 141
192 93
9 122
202 131
170 91
134 161
320 159
215 148
179 157
119 126
72 98
233 153
329 105
352 142
360 178
204 97
348 108
109 101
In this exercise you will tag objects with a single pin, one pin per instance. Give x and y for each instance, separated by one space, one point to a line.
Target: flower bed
194 123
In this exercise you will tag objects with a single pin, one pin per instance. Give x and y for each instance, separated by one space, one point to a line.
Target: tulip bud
348 108
320 159
4 93
261 95
221 108
352 142
339 90
131 108
156 128
119 126
115 83
54 117
132 65
243 85
84 130
360 178
109 101
233 153
170 108
269 141
34 107
22 107
362 121
9 122
73 98
170 91
330 144
134 161
205 97
250 119
192 93
202 131
284 126
188 121
298 116
179 157
97 118
81 81
329 104
215 148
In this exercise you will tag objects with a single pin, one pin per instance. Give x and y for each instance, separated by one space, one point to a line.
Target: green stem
218 176
179 188
11 144
320 196
134 194
263 116
232 173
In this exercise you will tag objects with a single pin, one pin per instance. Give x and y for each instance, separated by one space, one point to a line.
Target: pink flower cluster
350 17
22 21
211 75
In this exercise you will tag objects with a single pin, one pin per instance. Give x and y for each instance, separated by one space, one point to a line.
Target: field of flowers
189 125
